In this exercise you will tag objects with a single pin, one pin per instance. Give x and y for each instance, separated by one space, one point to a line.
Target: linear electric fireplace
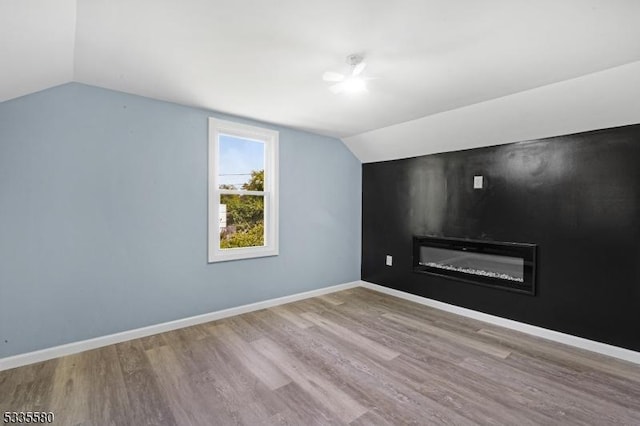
509 266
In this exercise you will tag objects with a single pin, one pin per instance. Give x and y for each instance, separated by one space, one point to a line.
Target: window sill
239 254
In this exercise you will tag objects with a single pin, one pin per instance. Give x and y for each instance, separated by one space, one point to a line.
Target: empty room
219 212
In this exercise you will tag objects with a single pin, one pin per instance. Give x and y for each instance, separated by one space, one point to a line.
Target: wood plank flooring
354 357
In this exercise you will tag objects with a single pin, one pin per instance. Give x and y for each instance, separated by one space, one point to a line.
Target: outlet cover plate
478 182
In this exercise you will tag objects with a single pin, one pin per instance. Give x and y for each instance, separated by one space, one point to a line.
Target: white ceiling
264 59
36 45
600 100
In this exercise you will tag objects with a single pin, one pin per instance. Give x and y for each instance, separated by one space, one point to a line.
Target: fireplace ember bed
504 265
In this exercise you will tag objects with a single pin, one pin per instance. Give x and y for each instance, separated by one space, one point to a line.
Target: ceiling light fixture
353 83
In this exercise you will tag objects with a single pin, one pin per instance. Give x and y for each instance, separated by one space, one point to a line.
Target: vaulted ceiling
264 59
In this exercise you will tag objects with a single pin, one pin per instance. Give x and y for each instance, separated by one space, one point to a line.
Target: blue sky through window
238 158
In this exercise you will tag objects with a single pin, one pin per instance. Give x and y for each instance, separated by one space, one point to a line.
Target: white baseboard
567 339
98 342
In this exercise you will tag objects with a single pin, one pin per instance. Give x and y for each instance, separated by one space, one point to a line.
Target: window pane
241 163
241 221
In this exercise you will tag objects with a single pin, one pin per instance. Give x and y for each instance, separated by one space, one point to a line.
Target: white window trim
270 140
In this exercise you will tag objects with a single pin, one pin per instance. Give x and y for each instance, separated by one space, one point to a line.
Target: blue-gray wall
103 218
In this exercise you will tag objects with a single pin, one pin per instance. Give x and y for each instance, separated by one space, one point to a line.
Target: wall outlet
389 260
478 182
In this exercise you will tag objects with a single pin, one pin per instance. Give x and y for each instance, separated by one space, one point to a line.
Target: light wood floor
354 357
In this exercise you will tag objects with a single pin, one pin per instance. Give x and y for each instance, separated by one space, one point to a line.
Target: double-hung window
243 191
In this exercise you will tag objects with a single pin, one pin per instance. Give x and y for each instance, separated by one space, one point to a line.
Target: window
243 191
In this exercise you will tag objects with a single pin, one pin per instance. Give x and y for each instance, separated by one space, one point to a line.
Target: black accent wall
576 196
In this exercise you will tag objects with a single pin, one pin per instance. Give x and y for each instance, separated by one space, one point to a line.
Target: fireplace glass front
498 264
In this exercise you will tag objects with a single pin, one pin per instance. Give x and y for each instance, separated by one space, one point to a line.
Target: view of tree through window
241 184
244 215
